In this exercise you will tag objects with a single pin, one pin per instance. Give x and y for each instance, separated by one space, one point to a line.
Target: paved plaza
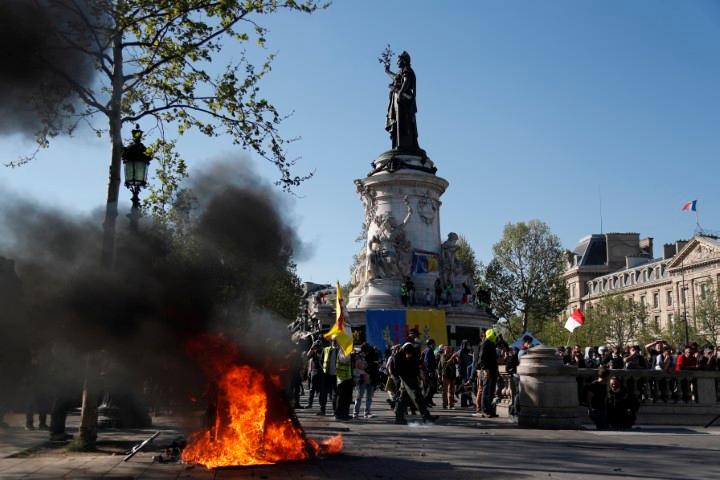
458 446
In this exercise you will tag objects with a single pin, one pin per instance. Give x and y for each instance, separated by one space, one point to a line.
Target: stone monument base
379 293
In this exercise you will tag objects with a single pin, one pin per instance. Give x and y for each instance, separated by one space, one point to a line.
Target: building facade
623 264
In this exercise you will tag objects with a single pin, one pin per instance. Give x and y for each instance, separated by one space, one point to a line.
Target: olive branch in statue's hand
386 57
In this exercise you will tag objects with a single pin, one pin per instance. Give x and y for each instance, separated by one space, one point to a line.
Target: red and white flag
576 319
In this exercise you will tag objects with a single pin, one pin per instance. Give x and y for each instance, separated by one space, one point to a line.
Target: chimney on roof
646 247
669 250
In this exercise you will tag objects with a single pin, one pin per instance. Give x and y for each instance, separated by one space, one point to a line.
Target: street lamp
136 159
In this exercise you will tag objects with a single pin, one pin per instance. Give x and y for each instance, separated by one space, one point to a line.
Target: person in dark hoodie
465 367
489 365
407 368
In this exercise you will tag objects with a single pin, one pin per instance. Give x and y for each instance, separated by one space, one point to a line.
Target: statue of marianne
402 107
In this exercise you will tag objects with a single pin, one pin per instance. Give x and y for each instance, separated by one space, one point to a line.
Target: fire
251 427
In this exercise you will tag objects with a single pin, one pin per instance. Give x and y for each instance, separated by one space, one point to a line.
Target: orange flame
245 434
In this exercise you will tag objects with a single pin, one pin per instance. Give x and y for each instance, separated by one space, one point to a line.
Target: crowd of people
657 355
411 375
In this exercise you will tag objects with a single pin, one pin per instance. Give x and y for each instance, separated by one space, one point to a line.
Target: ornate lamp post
136 159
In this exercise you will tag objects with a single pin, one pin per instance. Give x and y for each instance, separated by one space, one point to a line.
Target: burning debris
250 419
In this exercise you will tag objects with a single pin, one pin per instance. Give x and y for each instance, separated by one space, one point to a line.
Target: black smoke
48 50
61 314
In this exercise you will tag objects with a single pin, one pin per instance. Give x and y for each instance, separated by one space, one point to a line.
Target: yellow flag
341 330
429 323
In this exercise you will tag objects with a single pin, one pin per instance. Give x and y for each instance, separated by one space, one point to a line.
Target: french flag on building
576 319
690 206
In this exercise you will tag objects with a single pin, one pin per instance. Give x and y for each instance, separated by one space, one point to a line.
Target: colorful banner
428 324
384 328
425 262
391 327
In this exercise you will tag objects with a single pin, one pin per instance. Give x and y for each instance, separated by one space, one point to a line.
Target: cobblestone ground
458 446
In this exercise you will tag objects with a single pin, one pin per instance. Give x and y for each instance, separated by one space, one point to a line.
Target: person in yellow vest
345 386
329 376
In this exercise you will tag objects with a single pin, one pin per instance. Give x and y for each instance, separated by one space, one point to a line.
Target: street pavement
458 446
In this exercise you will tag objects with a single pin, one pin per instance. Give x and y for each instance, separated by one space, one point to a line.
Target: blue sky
530 109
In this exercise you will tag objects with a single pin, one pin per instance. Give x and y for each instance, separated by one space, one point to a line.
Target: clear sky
530 109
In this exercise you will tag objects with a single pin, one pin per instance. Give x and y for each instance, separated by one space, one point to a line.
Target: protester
438 291
596 398
362 379
622 407
448 368
408 374
315 372
429 371
489 365
329 383
345 385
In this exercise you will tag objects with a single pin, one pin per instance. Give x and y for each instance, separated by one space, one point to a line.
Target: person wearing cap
491 372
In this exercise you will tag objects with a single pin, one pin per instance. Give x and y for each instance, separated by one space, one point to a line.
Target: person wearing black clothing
429 366
489 365
465 366
596 397
407 367
622 406
410 289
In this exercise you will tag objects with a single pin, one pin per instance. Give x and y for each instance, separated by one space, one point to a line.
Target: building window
656 300
642 300
703 290
669 298
572 289
670 319
683 295
656 321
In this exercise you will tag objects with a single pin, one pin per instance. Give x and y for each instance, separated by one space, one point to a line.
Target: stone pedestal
403 206
548 391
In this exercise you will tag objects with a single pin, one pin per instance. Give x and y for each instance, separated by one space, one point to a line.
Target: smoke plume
60 311
45 55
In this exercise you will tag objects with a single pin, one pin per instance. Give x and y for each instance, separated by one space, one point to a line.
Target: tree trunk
113 193
89 414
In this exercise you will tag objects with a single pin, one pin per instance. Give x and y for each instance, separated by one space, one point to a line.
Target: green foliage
707 316
284 293
467 259
152 59
614 319
525 275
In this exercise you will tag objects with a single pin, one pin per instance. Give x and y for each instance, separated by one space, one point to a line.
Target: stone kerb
548 391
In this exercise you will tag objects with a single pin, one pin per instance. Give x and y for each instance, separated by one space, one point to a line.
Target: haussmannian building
623 263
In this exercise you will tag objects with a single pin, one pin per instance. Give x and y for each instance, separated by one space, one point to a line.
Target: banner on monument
428 324
385 328
425 262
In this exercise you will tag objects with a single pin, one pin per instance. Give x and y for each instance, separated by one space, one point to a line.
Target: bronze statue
402 106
